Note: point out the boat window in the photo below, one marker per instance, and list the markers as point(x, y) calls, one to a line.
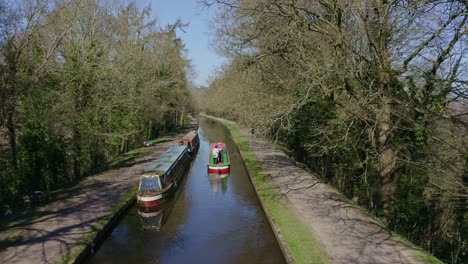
point(169, 176)
point(150, 184)
point(164, 181)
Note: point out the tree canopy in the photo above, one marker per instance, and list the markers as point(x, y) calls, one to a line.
point(370, 94)
point(81, 82)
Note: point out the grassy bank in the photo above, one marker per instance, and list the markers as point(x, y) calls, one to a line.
point(300, 242)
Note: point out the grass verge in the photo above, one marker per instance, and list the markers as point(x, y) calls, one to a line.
point(422, 254)
point(427, 258)
point(300, 242)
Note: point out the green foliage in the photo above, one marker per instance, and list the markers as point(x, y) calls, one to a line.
point(420, 136)
point(87, 83)
point(42, 159)
point(10, 189)
point(412, 211)
point(315, 112)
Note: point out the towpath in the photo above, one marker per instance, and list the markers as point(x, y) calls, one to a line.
point(347, 234)
point(46, 234)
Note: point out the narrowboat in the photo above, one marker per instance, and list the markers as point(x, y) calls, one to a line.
point(161, 178)
point(222, 164)
point(191, 140)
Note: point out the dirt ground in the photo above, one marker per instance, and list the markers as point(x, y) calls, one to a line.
point(347, 234)
point(47, 233)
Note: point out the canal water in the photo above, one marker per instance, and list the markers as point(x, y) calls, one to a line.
point(211, 219)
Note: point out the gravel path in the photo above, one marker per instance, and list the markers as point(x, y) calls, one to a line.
point(45, 235)
point(347, 234)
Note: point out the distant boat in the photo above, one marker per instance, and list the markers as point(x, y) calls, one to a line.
point(160, 179)
point(149, 143)
point(222, 165)
point(191, 140)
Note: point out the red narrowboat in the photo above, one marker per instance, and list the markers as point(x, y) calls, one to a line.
point(218, 159)
point(160, 179)
point(191, 140)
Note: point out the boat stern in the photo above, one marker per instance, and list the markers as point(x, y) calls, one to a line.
point(149, 200)
point(224, 169)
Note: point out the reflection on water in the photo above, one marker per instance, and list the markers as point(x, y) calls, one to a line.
point(218, 181)
point(212, 219)
point(151, 218)
point(154, 217)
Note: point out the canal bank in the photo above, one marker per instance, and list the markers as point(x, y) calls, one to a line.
point(314, 223)
point(67, 229)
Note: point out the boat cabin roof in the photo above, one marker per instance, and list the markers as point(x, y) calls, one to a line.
point(190, 135)
point(166, 160)
point(219, 144)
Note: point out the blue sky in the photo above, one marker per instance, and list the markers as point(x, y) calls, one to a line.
point(196, 37)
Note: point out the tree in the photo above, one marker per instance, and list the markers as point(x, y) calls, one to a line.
point(82, 82)
point(357, 90)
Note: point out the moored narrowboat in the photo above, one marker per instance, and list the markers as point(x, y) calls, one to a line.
point(161, 178)
point(219, 163)
point(191, 140)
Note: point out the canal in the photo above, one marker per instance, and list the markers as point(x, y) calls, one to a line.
point(209, 220)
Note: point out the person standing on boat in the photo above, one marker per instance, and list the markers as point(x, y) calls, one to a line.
point(215, 152)
point(220, 155)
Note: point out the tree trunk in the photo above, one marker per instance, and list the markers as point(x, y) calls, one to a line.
point(182, 121)
point(76, 154)
point(10, 109)
point(462, 221)
point(149, 131)
point(387, 158)
point(37, 175)
point(122, 146)
point(12, 137)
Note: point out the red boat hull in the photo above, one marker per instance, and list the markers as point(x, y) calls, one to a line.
point(218, 169)
point(145, 201)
